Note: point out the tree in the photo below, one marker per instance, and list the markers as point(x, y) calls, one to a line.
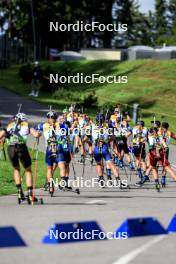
point(161, 21)
point(172, 22)
point(139, 26)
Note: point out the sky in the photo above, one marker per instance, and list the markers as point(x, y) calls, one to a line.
point(146, 5)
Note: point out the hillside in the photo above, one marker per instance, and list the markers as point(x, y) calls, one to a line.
point(151, 83)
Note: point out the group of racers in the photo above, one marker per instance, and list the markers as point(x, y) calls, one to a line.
point(108, 141)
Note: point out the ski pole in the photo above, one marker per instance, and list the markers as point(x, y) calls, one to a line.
point(19, 107)
point(74, 172)
point(154, 119)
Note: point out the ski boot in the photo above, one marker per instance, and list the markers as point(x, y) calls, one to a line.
point(109, 178)
point(21, 197)
point(157, 185)
point(91, 159)
point(82, 160)
point(116, 161)
point(118, 182)
point(142, 181)
point(139, 172)
point(163, 181)
point(46, 186)
point(76, 150)
point(121, 164)
point(51, 189)
point(131, 167)
point(67, 187)
point(33, 200)
point(101, 181)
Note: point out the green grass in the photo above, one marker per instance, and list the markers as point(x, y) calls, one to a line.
point(151, 83)
point(7, 185)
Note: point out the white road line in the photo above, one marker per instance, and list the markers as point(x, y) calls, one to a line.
point(134, 253)
point(96, 202)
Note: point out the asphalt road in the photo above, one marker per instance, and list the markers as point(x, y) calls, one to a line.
point(109, 207)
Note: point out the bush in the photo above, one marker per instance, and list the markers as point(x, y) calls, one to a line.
point(108, 106)
point(90, 100)
point(66, 95)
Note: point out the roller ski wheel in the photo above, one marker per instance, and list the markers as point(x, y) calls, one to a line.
point(157, 186)
point(70, 189)
point(124, 187)
point(33, 201)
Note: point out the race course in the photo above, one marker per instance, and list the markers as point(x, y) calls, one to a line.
point(108, 206)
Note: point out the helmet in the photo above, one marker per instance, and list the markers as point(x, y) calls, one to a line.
point(156, 123)
point(153, 130)
point(116, 109)
point(165, 125)
point(140, 123)
point(52, 115)
point(71, 108)
point(36, 63)
point(65, 111)
point(20, 116)
point(100, 118)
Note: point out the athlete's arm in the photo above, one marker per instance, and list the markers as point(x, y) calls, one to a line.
point(35, 133)
point(173, 135)
point(2, 134)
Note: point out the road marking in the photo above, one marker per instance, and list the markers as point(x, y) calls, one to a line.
point(96, 202)
point(134, 253)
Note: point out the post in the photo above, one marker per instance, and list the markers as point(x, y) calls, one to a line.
point(135, 113)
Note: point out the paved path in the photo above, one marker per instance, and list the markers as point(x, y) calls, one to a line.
point(113, 208)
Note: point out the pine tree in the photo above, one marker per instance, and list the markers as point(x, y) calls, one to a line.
point(139, 26)
point(161, 21)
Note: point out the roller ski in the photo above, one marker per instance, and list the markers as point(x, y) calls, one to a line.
point(33, 200)
point(120, 184)
point(51, 189)
point(21, 197)
point(63, 186)
point(131, 166)
point(142, 181)
point(157, 186)
point(77, 191)
point(101, 182)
